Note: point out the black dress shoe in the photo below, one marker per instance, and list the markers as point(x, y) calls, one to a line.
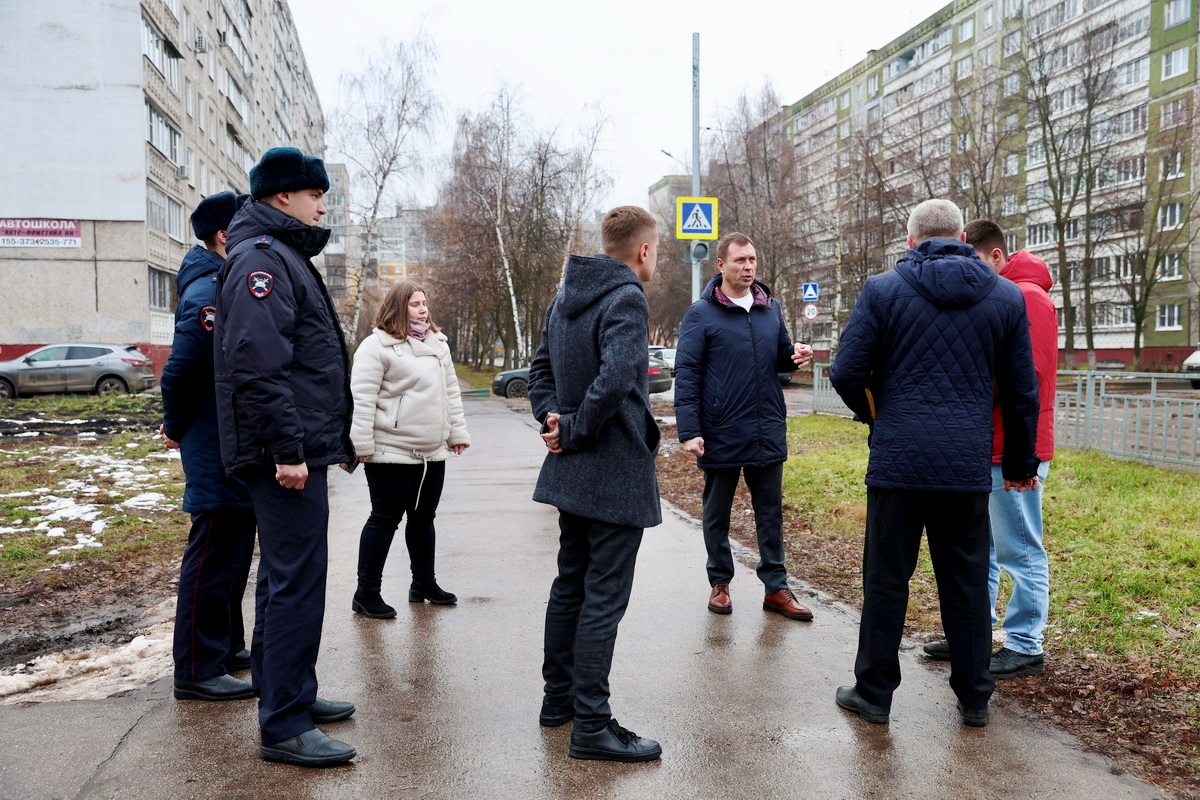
point(309, 749)
point(975, 717)
point(613, 743)
point(849, 699)
point(327, 711)
point(370, 604)
point(420, 592)
point(939, 649)
point(238, 661)
point(555, 714)
point(222, 687)
point(1007, 663)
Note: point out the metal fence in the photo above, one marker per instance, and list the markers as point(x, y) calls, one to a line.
point(1145, 415)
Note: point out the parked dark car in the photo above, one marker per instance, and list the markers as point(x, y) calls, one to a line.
point(515, 382)
point(100, 368)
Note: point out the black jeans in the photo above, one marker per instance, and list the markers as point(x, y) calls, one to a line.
point(397, 490)
point(587, 601)
point(956, 524)
point(766, 496)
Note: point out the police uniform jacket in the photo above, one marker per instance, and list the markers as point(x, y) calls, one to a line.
point(727, 369)
point(407, 405)
point(930, 347)
point(282, 368)
point(592, 368)
point(188, 396)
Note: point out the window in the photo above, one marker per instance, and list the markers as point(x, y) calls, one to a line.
point(1011, 241)
point(191, 167)
point(844, 130)
point(161, 293)
point(963, 68)
point(1176, 11)
point(1012, 44)
point(1172, 165)
point(1035, 153)
point(1038, 193)
point(1126, 267)
point(164, 213)
point(1012, 164)
point(1135, 120)
point(1101, 269)
point(1037, 234)
point(162, 134)
point(966, 30)
point(190, 104)
point(987, 56)
point(1170, 267)
point(1174, 112)
point(1130, 170)
point(1170, 216)
point(161, 54)
point(845, 100)
point(1135, 72)
point(1012, 8)
point(1012, 84)
point(1169, 318)
point(1070, 231)
point(989, 17)
point(873, 85)
point(1175, 62)
point(1008, 206)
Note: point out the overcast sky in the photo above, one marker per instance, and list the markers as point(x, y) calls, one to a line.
point(634, 58)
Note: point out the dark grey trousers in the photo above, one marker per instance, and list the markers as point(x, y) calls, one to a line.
point(956, 524)
point(766, 496)
point(587, 601)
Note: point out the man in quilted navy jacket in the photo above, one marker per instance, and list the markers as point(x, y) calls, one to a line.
point(731, 415)
point(930, 347)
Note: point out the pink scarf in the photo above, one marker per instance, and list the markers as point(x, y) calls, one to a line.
point(418, 329)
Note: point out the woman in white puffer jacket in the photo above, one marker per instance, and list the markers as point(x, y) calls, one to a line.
point(408, 418)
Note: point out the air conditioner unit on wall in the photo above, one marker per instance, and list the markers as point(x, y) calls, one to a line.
point(181, 171)
point(201, 46)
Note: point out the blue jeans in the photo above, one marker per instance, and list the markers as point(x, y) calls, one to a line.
point(1016, 519)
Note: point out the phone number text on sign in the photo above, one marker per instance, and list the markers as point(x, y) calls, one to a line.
point(38, 241)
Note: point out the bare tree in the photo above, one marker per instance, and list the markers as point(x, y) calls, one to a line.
point(386, 115)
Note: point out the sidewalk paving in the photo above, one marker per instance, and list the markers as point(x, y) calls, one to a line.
point(448, 697)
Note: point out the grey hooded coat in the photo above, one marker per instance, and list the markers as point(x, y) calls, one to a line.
point(591, 368)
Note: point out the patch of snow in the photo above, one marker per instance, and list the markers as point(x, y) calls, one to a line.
point(17, 494)
point(145, 500)
point(26, 434)
point(56, 532)
point(98, 526)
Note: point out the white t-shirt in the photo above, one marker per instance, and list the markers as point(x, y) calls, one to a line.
point(745, 302)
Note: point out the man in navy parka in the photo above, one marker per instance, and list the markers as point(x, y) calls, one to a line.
point(930, 347)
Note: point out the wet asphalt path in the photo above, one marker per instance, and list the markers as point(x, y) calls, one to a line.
point(448, 697)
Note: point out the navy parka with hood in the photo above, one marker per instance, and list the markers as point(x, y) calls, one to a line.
point(937, 341)
point(282, 367)
point(189, 403)
point(727, 369)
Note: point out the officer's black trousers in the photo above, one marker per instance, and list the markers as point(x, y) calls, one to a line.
point(956, 525)
point(293, 546)
point(587, 601)
point(398, 490)
point(212, 581)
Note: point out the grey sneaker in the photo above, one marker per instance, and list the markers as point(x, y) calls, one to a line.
point(939, 649)
point(1008, 663)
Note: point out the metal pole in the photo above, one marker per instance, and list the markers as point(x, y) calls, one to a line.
point(695, 148)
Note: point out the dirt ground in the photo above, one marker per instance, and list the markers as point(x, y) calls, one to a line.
point(1116, 712)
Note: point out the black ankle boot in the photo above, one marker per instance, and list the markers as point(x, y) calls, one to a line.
point(429, 590)
point(369, 603)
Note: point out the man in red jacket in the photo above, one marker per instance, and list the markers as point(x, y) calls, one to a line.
point(1016, 517)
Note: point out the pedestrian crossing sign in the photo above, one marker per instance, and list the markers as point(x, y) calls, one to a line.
point(696, 218)
point(810, 293)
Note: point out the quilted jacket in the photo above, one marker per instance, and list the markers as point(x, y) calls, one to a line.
point(930, 346)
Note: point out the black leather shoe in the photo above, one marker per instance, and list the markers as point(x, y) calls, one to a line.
point(1007, 663)
point(555, 714)
point(975, 717)
point(939, 649)
point(238, 661)
point(370, 604)
point(327, 711)
point(849, 699)
point(222, 687)
point(420, 592)
point(613, 743)
point(309, 749)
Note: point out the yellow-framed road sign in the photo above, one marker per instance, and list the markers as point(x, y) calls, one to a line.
point(696, 217)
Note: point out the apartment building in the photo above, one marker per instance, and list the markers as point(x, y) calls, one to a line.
point(1069, 122)
point(120, 117)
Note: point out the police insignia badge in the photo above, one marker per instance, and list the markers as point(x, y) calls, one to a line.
point(260, 283)
point(208, 318)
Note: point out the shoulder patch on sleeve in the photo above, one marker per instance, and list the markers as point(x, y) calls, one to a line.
point(264, 242)
point(260, 282)
point(208, 318)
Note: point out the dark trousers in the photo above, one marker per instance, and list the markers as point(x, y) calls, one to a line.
point(956, 525)
point(587, 601)
point(398, 490)
point(293, 546)
point(766, 496)
point(212, 581)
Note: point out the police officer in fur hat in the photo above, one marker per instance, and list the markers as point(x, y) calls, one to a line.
point(210, 638)
point(284, 405)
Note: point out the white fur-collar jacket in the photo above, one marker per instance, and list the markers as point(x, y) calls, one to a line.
point(407, 406)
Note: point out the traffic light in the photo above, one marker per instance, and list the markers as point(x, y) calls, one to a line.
point(699, 251)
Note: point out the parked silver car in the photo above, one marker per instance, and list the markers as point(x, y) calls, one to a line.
point(84, 367)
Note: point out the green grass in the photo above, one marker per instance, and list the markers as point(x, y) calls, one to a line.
point(477, 378)
point(1124, 554)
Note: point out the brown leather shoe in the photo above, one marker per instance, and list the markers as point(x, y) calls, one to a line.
point(718, 601)
point(784, 602)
